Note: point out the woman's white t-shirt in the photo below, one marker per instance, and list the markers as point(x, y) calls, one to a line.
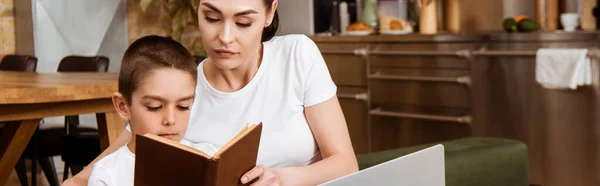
point(291, 76)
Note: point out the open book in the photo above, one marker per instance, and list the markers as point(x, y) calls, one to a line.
point(160, 161)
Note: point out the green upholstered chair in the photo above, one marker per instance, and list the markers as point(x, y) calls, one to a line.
point(471, 161)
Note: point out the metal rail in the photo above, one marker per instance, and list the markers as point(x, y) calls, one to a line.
point(360, 96)
point(460, 119)
point(466, 80)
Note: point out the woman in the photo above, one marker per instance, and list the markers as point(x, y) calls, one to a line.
point(250, 77)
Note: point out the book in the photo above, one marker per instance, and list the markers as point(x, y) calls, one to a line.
point(160, 161)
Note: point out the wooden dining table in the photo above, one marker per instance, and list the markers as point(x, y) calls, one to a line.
point(27, 97)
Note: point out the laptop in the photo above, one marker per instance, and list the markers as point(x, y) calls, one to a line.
point(421, 168)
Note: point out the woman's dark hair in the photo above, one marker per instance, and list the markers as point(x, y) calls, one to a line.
point(271, 30)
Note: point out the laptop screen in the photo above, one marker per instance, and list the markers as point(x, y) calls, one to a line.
point(421, 168)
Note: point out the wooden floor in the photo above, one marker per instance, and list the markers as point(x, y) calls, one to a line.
point(13, 180)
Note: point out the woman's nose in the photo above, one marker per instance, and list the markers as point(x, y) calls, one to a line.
point(226, 36)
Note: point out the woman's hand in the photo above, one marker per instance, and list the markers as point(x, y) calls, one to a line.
point(266, 176)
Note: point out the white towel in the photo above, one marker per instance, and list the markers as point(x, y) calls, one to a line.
point(563, 68)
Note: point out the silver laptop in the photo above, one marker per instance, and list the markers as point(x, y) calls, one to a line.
point(421, 168)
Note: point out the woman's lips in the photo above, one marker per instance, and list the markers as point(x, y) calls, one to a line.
point(225, 53)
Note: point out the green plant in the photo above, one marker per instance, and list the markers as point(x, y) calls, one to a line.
point(182, 13)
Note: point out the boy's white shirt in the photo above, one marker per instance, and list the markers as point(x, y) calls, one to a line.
point(117, 169)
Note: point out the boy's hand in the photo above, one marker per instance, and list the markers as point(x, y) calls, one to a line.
point(266, 176)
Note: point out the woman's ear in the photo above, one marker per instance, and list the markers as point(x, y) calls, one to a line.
point(272, 13)
point(121, 106)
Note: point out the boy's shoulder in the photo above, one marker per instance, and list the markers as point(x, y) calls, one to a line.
point(118, 159)
point(117, 167)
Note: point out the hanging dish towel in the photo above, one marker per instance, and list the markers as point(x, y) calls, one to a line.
point(563, 68)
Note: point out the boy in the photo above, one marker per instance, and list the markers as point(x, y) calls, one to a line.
point(157, 85)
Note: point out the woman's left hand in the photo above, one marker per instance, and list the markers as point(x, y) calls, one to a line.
point(266, 176)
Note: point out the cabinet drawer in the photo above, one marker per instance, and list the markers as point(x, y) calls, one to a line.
point(431, 59)
point(444, 88)
point(345, 69)
point(392, 132)
point(391, 128)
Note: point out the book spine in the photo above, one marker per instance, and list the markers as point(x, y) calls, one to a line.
point(211, 177)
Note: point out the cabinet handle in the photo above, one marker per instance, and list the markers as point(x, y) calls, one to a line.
point(456, 119)
point(466, 80)
point(335, 51)
point(358, 52)
point(360, 96)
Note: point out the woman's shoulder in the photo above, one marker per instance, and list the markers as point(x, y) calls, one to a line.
point(295, 54)
point(290, 38)
point(294, 44)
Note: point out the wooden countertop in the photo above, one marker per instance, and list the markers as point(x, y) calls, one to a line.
point(440, 38)
point(399, 38)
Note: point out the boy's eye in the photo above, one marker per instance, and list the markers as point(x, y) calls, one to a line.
point(154, 108)
point(183, 107)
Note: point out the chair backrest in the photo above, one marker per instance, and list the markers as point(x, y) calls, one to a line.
point(83, 64)
point(18, 63)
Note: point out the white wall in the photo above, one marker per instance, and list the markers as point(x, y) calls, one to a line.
point(295, 17)
point(76, 27)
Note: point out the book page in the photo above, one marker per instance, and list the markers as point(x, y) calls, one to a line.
point(177, 145)
point(236, 138)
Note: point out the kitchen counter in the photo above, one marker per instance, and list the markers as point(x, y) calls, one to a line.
point(400, 38)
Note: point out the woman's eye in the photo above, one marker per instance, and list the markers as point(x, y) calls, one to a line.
point(154, 108)
point(211, 19)
point(245, 25)
point(183, 107)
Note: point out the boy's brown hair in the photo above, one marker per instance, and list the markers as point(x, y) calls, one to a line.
point(150, 53)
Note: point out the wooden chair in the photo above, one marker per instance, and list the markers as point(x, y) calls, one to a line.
point(21, 63)
point(48, 142)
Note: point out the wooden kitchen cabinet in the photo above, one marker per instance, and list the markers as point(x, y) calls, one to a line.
point(400, 105)
point(432, 88)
